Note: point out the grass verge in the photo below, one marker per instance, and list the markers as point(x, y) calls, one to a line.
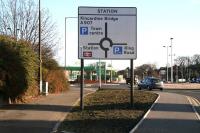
point(108, 111)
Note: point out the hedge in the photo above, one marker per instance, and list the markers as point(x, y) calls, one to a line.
point(19, 71)
point(18, 68)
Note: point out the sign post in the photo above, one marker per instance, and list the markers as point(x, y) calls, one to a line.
point(132, 82)
point(99, 74)
point(82, 84)
point(107, 33)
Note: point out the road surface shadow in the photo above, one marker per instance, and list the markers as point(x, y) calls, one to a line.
point(100, 125)
point(169, 126)
point(26, 126)
point(115, 106)
point(37, 107)
point(172, 107)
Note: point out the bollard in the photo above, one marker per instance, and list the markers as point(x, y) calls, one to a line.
point(40, 86)
point(46, 89)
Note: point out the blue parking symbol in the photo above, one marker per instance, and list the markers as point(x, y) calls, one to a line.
point(117, 50)
point(84, 30)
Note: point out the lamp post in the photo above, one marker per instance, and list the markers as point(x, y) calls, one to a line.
point(176, 70)
point(15, 32)
point(171, 62)
point(9, 30)
point(40, 50)
point(111, 73)
point(167, 61)
point(66, 35)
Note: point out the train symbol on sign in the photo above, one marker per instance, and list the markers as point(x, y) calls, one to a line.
point(84, 30)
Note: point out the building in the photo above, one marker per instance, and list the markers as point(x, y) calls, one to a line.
point(91, 72)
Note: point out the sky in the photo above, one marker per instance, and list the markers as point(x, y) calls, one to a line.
point(157, 22)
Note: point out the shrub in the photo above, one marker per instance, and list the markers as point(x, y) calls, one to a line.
point(57, 81)
point(55, 76)
point(19, 71)
point(18, 68)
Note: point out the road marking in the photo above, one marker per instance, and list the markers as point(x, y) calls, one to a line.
point(55, 128)
point(192, 102)
point(197, 101)
point(140, 122)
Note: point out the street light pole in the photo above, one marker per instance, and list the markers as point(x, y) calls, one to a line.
point(65, 37)
point(15, 33)
point(167, 62)
point(111, 73)
point(171, 62)
point(9, 30)
point(40, 51)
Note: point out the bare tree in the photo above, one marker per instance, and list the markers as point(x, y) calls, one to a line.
point(19, 19)
point(195, 65)
point(146, 70)
point(182, 62)
point(195, 59)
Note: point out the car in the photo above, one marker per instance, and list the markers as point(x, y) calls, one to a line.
point(150, 83)
point(195, 80)
point(198, 80)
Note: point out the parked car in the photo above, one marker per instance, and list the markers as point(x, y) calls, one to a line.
point(150, 83)
point(195, 80)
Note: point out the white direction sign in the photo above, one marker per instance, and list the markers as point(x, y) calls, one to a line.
point(107, 33)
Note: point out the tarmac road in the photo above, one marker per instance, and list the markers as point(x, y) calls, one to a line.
point(171, 114)
point(188, 92)
point(39, 116)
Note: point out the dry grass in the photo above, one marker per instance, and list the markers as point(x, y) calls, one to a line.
point(108, 111)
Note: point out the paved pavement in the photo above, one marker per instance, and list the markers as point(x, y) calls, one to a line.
point(39, 116)
point(171, 114)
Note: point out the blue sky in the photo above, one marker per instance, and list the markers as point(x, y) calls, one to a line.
point(158, 21)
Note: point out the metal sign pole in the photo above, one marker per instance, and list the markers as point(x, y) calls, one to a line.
point(81, 85)
point(99, 74)
point(105, 73)
point(132, 82)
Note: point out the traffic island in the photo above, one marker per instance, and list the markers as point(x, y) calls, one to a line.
point(108, 111)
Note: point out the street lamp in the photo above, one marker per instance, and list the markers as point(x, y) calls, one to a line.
point(111, 73)
point(9, 30)
point(66, 35)
point(176, 60)
point(171, 62)
point(167, 61)
point(15, 32)
point(65, 38)
point(40, 50)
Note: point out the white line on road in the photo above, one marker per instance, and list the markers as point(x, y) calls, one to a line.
point(55, 128)
point(197, 101)
point(140, 122)
point(192, 102)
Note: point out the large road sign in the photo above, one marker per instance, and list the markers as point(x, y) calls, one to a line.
point(107, 33)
